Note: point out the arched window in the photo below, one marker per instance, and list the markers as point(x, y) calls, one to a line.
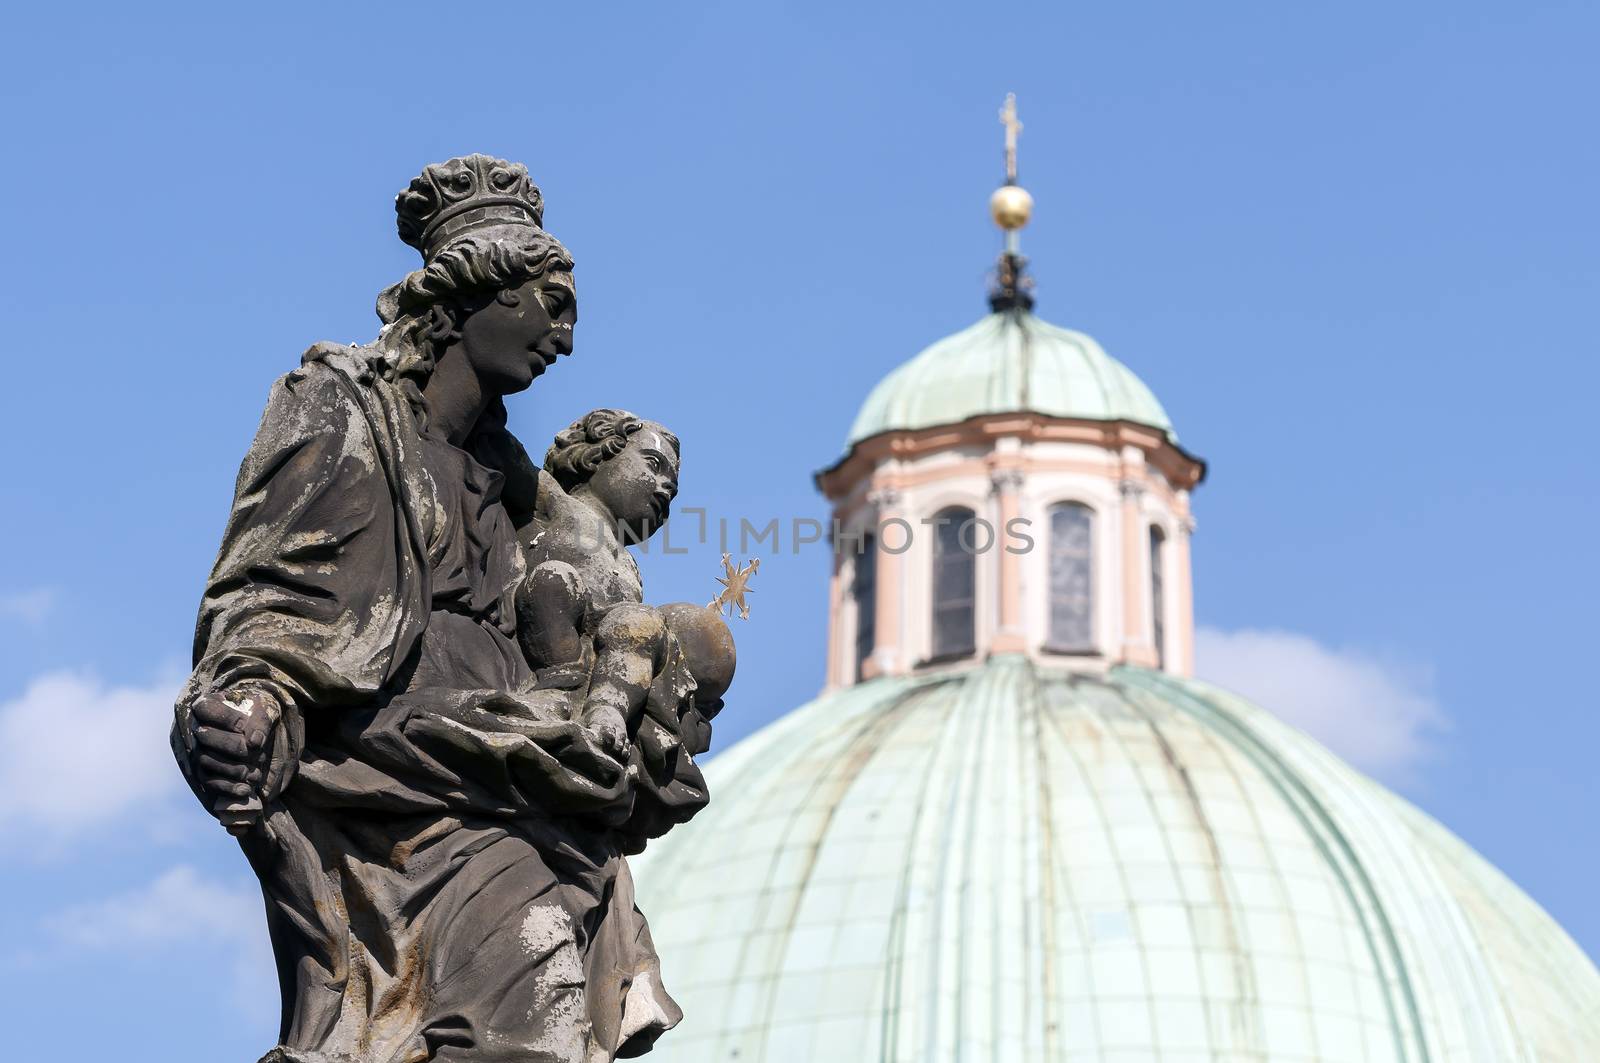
point(954, 583)
point(1071, 578)
point(865, 592)
point(1158, 605)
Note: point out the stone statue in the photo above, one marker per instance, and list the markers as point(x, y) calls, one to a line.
point(622, 474)
point(436, 724)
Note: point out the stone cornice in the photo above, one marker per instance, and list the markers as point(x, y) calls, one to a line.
point(1182, 469)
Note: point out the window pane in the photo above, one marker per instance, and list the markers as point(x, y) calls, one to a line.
point(954, 584)
point(1158, 607)
point(865, 592)
point(1072, 577)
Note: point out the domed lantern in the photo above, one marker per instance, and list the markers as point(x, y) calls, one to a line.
point(1021, 459)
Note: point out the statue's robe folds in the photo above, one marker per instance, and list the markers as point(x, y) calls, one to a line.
point(441, 851)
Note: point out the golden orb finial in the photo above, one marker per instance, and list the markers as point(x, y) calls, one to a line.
point(1011, 206)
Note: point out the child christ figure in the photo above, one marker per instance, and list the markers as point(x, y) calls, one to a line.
point(608, 481)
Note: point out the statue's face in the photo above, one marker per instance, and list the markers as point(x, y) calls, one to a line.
point(639, 483)
point(520, 333)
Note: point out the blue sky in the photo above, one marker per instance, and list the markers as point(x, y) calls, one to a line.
point(1352, 247)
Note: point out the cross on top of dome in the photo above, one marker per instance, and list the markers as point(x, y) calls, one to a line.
point(1011, 206)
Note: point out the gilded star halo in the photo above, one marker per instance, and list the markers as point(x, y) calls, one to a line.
point(735, 582)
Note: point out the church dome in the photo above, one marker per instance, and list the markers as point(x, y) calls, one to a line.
point(1010, 361)
point(1015, 862)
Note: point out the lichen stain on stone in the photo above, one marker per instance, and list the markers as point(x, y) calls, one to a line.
point(641, 1008)
point(544, 929)
point(403, 849)
point(566, 1034)
point(558, 1000)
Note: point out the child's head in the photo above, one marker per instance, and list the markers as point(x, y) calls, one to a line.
point(628, 464)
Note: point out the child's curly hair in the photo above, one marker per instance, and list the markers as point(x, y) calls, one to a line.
point(583, 446)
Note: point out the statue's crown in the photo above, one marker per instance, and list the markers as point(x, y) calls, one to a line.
point(450, 199)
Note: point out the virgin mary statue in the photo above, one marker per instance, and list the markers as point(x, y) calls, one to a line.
point(441, 848)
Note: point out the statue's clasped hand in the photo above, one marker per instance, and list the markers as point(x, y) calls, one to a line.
point(230, 749)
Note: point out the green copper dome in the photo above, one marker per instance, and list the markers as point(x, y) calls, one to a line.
point(1017, 863)
point(1008, 362)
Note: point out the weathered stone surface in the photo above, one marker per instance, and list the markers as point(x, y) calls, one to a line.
point(428, 698)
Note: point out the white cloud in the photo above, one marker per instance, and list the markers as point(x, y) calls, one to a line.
point(77, 754)
point(80, 758)
point(180, 905)
point(180, 909)
point(1379, 715)
point(31, 606)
